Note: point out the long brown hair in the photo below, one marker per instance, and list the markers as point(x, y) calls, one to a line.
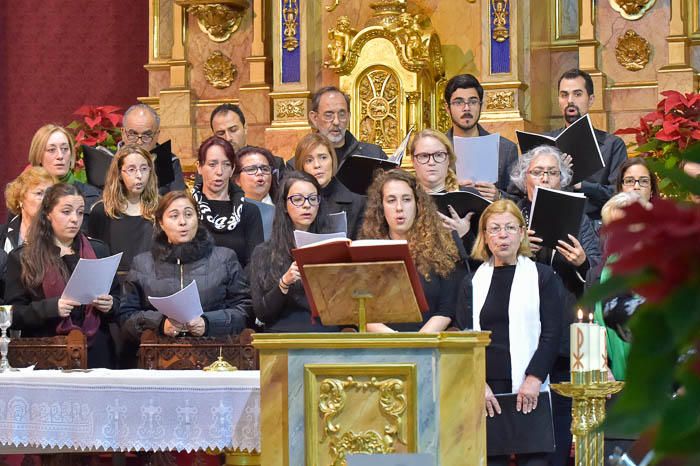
point(39, 252)
point(431, 245)
point(310, 142)
point(115, 195)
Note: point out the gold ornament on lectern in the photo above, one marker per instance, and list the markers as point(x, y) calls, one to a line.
point(217, 19)
point(499, 10)
point(632, 51)
point(632, 9)
point(219, 71)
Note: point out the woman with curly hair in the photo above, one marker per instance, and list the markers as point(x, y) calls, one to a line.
point(397, 208)
point(124, 217)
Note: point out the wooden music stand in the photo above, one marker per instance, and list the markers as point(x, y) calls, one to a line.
point(361, 292)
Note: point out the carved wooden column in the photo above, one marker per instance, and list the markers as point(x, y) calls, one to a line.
point(504, 90)
point(296, 45)
point(588, 61)
point(678, 74)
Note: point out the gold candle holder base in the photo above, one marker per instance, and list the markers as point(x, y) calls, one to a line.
point(588, 390)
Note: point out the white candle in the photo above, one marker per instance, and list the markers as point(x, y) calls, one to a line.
point(578, 345)
point(604, 348)
point(594, 356)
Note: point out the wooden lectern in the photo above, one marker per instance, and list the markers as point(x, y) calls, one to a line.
point(327, 395)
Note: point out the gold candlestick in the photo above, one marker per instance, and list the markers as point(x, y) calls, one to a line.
point(589, 391)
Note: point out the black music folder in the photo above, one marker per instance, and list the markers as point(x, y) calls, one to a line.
point(556, 214)
point(515, 432)
point(578, 140)
point(357, 171)
point(462, 202)
point(163, 163)
point(97, 161)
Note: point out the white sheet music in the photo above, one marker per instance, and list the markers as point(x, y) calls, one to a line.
point(477, 158)
point(304, 238)
point(91, 278)
point(183, 306)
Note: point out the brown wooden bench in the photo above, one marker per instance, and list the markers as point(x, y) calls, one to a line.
point(62, 351)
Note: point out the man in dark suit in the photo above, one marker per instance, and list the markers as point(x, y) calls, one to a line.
point(464, 98)
point(330, 116)
point(228, 121)
point(575, 99)
point(140, 126)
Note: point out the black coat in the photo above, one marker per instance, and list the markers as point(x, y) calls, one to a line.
point(37, 316)
point(162, 271)
point(550, 289)
point(337, 198)
point(91, 194)
point(9, 234)
point(279, 312)
point(600, 186)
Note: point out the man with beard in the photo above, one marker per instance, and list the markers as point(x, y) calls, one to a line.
point(575, 100)
point(329, 116)
point(463, 99)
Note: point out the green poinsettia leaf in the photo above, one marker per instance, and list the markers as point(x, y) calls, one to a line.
point(679, 430)
point(651, 145)
point(612, 286)
point(692, 153)
point(684, 325)
point(664, 183)
point(74, 124)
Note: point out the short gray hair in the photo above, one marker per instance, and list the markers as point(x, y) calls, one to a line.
point(145, 108)
point(520, 168)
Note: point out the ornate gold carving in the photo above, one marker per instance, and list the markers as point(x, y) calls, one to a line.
point(632, 51)
point(632, 9)
point(501, 100)
point(291, 22)
point(379, 102)
point(392, 404)
point(339, 45)
point(499, 13)
point(332, 6)
point(218, 20)
point(292, 109)
point(219, 71)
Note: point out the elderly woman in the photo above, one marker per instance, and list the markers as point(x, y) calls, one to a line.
point(37, 273)
point(23, 198)
point(544, 166)
point(52, 147)
point(232, 222)
point(124, 217)
point(278, 295)
point(184, 251)
point(399, 209)
point(635, 176)
point(316, 156)
point(517, 300)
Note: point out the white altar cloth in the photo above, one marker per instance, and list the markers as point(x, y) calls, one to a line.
point(130, 410)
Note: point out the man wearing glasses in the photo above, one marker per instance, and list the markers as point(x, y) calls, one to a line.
point(575, 100)
point(140, 126)
point(330, 115)
point(464, 96)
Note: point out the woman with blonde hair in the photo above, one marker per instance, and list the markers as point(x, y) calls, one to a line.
point(316, 156)
point(52, 147)
point(23, 198)
point(518, 301)
point(397, 208)
point(124, 217)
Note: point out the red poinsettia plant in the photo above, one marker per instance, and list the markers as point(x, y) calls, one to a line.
point(665, 133)
point(96, 125)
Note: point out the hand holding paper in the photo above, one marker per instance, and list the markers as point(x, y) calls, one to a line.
point(90, 279)
point(183, 306)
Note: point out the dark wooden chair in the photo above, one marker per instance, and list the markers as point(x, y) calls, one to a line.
point(163, 352)
point(63, 351)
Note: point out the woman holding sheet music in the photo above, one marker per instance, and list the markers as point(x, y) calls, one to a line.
point(38, 272)
point(573, 257)
point(124, 217)
point(184, 251)
point(518, 301)
point(397, 208)
point(316, 156)
point(278, 296)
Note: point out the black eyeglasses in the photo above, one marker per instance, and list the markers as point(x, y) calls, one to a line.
point(539, 172)
point(461, 103)
point(644, 181)
point(299, 199)
point(424, 157)
point(253, 169)
point(132, 136)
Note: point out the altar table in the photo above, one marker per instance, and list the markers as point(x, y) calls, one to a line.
point(129, 410)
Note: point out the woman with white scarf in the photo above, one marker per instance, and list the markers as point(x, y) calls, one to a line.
point(517, 300)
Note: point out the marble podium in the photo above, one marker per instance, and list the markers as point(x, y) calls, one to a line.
point(324, 396)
